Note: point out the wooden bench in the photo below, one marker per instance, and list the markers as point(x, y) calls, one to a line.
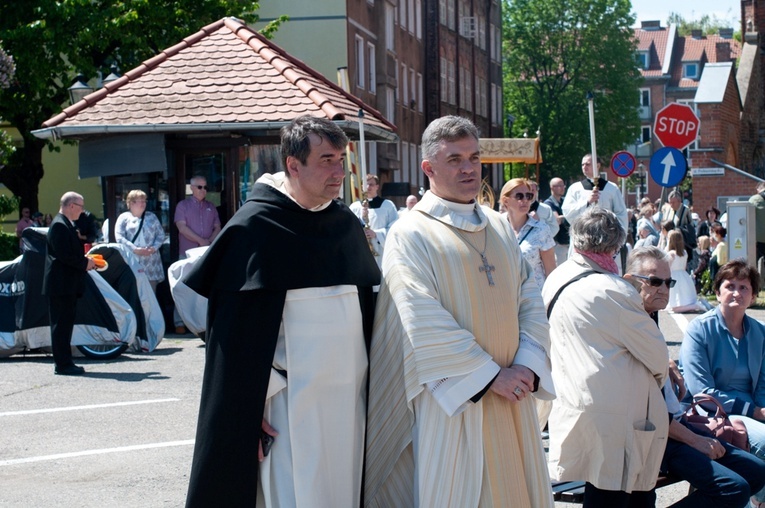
point(573, 492)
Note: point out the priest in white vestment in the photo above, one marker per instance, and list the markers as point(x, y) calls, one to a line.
point(460, 342)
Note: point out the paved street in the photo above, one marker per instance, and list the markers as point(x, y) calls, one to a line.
point(122, 436)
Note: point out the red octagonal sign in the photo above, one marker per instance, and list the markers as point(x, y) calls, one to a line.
point(676, 125)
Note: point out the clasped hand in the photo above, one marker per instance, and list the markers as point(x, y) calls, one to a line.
point(510, 378)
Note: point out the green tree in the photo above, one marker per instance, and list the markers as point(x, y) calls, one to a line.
point(52, 40)
point(706, 23)
point(554, 52)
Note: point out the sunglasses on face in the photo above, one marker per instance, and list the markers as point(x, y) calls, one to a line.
point(520, 196)
point(655, 281)
point(200, 187)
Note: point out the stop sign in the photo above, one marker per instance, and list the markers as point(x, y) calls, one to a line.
point(676, 125)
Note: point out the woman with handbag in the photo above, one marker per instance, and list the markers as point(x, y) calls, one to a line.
point(142, 232)
point(720, 474)
point(608, 425)
point(723, 354)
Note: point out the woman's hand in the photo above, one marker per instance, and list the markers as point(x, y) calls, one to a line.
point(709, 446)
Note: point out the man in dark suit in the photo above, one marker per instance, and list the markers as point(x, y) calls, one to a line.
point(64, 280)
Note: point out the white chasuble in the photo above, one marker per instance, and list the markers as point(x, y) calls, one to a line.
point(438, 317)
point(319, 409)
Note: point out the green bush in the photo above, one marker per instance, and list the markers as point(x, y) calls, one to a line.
point(9, 246)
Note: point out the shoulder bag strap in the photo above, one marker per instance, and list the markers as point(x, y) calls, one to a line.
point(564, 286)
point(140, 227)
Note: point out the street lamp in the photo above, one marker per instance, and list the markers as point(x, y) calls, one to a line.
point(113, 76)
point(79, 89)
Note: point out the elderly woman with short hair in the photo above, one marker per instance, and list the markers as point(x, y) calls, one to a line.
point(608, 425)
point(142, 233)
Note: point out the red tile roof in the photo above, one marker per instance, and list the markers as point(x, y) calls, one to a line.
point(224, 74)
point(655, 41)
point(703, 50)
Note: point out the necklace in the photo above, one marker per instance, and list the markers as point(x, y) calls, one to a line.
point(485, 266)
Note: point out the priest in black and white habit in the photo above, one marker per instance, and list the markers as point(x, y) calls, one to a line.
point(289, 282)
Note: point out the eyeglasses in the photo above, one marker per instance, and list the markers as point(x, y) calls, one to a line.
point(520, 196)
point(655, 281)
point(81, 205)
point(200, 187)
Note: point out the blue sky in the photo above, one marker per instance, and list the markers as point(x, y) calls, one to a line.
point(689, 9)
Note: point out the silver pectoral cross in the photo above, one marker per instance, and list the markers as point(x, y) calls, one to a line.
point(488, 269)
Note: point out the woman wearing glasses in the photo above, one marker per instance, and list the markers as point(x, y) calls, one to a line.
point(723, 352)
point(536, 242)
point(608, 425)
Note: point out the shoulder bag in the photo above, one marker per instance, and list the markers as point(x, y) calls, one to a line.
point(718, 424)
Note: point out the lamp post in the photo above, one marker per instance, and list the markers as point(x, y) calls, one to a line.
point(79, 89)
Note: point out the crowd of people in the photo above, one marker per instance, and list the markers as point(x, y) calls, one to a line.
point(396, 352)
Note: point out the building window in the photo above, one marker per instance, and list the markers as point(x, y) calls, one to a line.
point(360, 56)
point(404, 86)
point(372, 68)
point(442, 12)
point(482, 32)
point(691, 70)
point(492, 48)
point(412, 87)
point(405, 159)
point(411, 17)
point(452, 84)
point(390, 13)
point(402, 14)
point(643, 59)
point(645, 133)
point(478, 86)
point(645, 97)
point(418, 18)
point(461, 85)
point(451, 15)
point(398, 90)
point(419, 93)
point(484, 102)
point(390, 105)
point(468, 90)
point(444, 81)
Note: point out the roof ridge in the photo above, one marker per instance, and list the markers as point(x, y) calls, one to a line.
point(273, 53)
point(133, 74)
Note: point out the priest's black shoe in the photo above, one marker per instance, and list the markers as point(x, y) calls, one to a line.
point(70, 370)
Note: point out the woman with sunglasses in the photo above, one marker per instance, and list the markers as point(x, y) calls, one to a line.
point(534, 237)
point(723, 354)
point(682, 296)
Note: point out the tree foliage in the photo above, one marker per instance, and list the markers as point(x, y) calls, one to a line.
point(706, 23)
point(53, 40)
point(555, 51)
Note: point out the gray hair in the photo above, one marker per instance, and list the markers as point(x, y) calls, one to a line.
point(639, 256)
point(597, 230)
point(295, 140)
point(447, 128)
point(195, 180)
point(675, 195)
point(69, 198)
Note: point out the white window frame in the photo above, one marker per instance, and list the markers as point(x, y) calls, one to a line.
point(418, 19)
point(687, 66)
point(404, 85)
point(482, 32)
point(372, 68)
point(442, 12)
point(398, 88)
point(390, 104)
point(420, 93)
point(444, 81)
point(492, 48)
point(469, 90)
point(412, 86)
point(451, 15)
point(411, 16)
point(643, 59)
point(402, 14)
point(404, 159)
point(452, 83)
point(390, 15)
point(360, 57)
point(645, 97)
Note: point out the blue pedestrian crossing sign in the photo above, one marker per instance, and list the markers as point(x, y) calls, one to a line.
point(668, 166)
point(623, 164)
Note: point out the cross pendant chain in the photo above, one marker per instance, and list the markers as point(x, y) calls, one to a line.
point(488, 269)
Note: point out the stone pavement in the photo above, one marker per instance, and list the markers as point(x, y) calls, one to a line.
point(673, 326)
